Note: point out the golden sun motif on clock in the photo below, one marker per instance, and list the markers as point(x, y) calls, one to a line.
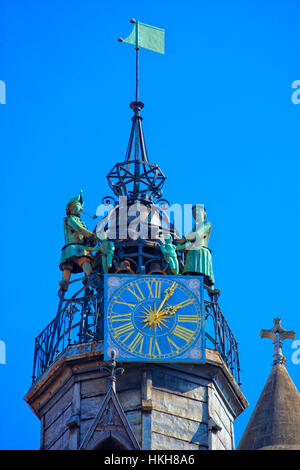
point(154, 318)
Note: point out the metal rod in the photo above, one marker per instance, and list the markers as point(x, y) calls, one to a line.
point(136, 155)
point(137, 75)
point(137, 62)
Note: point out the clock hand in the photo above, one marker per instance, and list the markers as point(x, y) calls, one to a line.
point(168, 293)
point(168, 310)
point(153, 317)
point(156, 311)
point(182, 304)
point(172, 309)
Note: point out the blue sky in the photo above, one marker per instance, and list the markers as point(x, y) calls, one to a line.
point(218, 119)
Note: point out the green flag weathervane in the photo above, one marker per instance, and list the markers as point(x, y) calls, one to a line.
point(147, 37)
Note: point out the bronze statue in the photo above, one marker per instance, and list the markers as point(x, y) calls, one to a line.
point(107, 249)
point(170, 256)
point(75, 257)
point(198, 258)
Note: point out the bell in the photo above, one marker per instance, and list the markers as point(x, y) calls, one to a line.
point(124, 268)
point(156, 268)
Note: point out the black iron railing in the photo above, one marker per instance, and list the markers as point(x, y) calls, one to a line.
point(219, 336)
point(80, 320)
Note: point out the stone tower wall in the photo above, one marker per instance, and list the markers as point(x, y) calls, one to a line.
point(168, 406)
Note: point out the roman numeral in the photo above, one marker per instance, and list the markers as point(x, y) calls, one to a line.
point(157, 289)
point(188, 318)
point(154, 289)
point(122, 302)
point(173, 346)
point(153, 346)
point(121, 330)
point(137, 341)
point(150, 285)
point(183, 333)
point(120, 317)
point(140, 296)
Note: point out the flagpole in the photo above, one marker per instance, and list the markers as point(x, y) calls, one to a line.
point(136, 110)
point(152, 39)
point(137, 59)
point(137, 75)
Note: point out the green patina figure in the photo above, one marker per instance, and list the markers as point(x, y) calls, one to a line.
point(75, 257)
point(198, 258)
point(107, 249)
point(170, 256)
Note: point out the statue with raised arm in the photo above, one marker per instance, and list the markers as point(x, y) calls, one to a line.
point(75, 257)
point(170, 256)
point(198, 259)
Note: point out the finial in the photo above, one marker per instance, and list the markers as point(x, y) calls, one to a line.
point(113, 371)
point(277, 334)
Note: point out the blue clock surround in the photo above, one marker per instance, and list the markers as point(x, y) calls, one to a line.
point(154, 318)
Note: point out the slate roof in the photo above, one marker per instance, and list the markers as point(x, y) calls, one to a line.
point(275, 421)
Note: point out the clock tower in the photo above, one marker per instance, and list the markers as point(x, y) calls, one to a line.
point(139, 354)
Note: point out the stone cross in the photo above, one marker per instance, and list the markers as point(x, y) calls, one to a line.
point(278, 334)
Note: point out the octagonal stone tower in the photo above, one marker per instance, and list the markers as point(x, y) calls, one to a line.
point(152, 406)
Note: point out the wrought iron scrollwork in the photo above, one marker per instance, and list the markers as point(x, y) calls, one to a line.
point(219, 336)
point(163, 204)
point(109, 201)
point(79, 320)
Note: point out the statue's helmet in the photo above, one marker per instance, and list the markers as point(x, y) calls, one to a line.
point(168, 238)
point(76, 201)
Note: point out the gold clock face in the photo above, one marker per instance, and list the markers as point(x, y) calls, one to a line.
point(155, 318)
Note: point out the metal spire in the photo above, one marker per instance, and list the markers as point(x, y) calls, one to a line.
point(136, 177)
point(277, 334)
